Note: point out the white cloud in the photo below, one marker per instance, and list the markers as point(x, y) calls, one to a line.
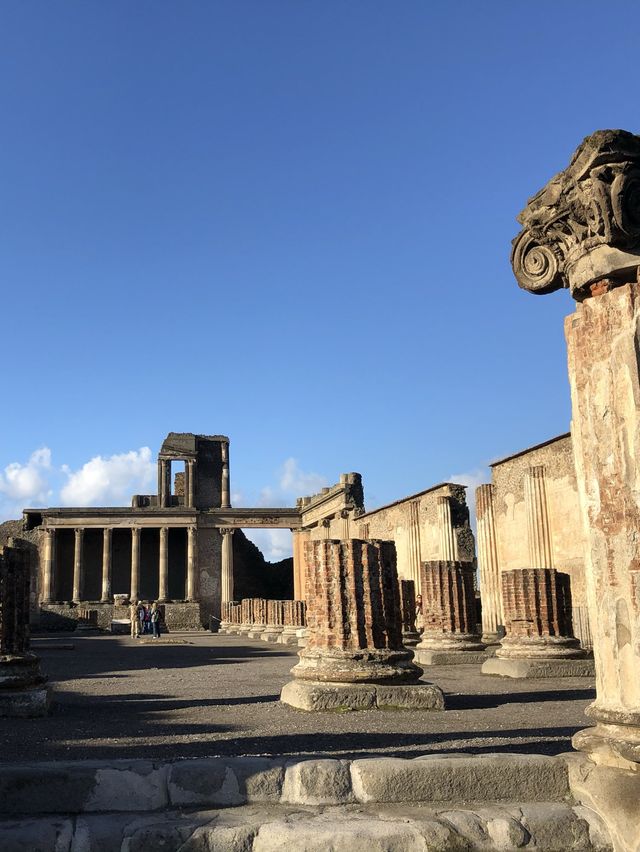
point(472, 479)
point(274, 544)
point(109, 481)
point(23, 485)
point(292, 483)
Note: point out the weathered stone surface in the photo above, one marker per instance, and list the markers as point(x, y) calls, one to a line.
point(539, 668)
point(25, 702)
point(209, 781)
point(37, 835)
point(426, 657)
point(326, 696)
point(584, 225)
point(491, 777)
point(417, 696)
point(318, 782)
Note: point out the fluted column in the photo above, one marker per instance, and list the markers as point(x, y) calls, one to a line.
point(190, 489)
point(325, 527)
point(226, 581)
point(135, 564)
point(298, 564)
point(78, 568)
point(226, 493)
point(49, 565)
point(344, 524)
point(414, 544)
point(192, 575)
point(538, 530)
point(107, 540)
point(448, 547)
point(163, 566)
point(492, 618)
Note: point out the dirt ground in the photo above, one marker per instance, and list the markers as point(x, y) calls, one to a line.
point(204, 694)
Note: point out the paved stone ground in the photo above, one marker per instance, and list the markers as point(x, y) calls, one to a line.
point(203, 694)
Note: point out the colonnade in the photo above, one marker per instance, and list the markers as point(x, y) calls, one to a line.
point(79, 565)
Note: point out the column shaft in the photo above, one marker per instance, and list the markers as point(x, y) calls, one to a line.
point(163, 567)
point(48, 568)
point(78, 572)
point(107, 538)
point(226, 580)
point(538, 529)
point(448, 547)
point(226, 494)
point(414, 544)
point(192, 576)
point(135, 565)
point(488, 567)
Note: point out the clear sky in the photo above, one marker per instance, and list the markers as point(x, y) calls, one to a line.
point(288, 222)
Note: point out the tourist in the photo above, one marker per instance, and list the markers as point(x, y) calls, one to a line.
point(134, 616)
point(141, 612)
point(419, 615)
point(155, 620)
point(147, 620)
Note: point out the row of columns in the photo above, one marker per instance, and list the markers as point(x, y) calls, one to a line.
point(107, 552)
point(164, 483)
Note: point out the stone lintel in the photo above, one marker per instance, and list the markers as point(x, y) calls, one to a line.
point(539, 668)
point(310, 696)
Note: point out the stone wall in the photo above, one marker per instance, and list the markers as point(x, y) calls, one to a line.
point(565, 543)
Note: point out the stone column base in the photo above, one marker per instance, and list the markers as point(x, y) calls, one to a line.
point(410, 639)
point(369, 665)
point(256, 631)
point(271, 633)
point(244, 629)
point(540, 647)
point(492, 638)
point(539, 667)
point(289, 636)
point(426, 657)
point(21, 703)
point(301, 633)
point(315, 696)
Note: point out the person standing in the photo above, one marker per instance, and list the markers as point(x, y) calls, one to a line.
point(134, 617)
point(155, 620)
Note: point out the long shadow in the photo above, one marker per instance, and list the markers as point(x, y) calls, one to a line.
point(473, 701)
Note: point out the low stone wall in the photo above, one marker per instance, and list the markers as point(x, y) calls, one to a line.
point(178, 615)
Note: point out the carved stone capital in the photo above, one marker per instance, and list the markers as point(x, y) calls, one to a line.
point(584, 225)
point(226, 530)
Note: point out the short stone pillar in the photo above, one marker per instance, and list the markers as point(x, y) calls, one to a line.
point(275, 621)
point(354, 658)
point(23, 689)
point(294, 620)
point(539, 641)
point(259, 618)
point(410, 636)
point(246, 617)
point(450, 634)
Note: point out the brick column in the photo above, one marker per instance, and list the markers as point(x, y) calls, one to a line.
point(78, 567)
point(294, 620)
point(410, 636)
point(275, 621)
point(488, 568)
point(22, 686)
point(354, 657)
point(163, 565)
point(48, 566)
point(259, 618)
point(539, 641)
point(246, 621)
point(450, 634)
point(134, 594)
point(106, 564)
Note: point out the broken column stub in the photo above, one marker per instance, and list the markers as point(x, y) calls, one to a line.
point(451, 634)
point(23, 689)
point(582, 230)
point(539, 641)
point(410, 635)
point(354, 658)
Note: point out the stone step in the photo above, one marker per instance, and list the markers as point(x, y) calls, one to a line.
point(543, 826)
point(78, 787)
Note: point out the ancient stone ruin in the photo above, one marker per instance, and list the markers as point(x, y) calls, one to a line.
point(354, 657)
point(23, 689)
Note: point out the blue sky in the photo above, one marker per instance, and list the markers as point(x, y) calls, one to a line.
point(288, 222)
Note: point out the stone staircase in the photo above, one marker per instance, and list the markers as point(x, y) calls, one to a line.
point(256, 804)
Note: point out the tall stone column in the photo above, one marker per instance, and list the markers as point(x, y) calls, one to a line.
point(354, 658)
point(134, 595)
point(489, 570)
point(107, 541)
point(450, 633)
point(415, 555)
point(192, 564)
point(448, 545)
point(164, 482)
point(49, 565)
point(190, 490)
point(298, 564)
point(538, 529)
point(163, 566)
point(226, 487)
point(78, 567)
point(226, 579)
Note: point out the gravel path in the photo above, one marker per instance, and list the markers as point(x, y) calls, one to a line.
point(203, 694)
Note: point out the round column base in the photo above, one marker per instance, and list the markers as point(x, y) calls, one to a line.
point(373, 665)
point(432, 641)
point(541, 647)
